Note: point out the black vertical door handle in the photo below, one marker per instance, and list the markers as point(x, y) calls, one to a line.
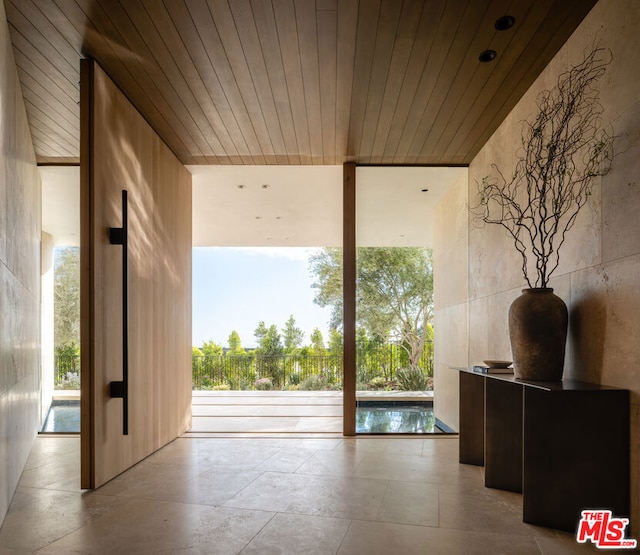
point(120, 389)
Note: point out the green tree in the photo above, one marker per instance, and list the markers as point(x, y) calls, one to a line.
point(260, 332)
point(317, 343)
point(269, 340)
point(211, 349)
point(336, 345)
point(66, 275)
point(326, 266)
point(269, 352)
point(336, 350)
point(394, 294)
point(235, 345)
point(208, 369)
point(429, 350)
point(292, 336)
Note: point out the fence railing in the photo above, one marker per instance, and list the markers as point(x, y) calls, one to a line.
point(67, 372)
point(244, 372)
point(256, 371)
point(306, 372)
point(387, 359)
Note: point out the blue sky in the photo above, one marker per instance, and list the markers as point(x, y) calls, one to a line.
point(236, 288)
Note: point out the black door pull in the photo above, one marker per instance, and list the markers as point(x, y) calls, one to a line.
point(120, 389)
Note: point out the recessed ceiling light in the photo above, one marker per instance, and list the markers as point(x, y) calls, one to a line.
point(424, 190)
point(505, 22)
point(241, 186)
point(278, 217)
point(487, 56)
point(258, 217)
point(265, 186)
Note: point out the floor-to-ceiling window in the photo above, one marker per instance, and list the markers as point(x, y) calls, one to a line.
point(266, 340)
point(394, 297)
point(60, 300)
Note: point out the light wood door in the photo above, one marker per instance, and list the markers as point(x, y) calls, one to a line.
point(119, 152)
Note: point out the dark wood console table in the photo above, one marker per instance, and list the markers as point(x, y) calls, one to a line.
point(563, 445)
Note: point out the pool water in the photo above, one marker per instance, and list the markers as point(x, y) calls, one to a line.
point(396, 419)
point(371, 418)
point(63, 417)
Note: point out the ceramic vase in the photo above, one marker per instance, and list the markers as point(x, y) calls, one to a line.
point(538, 321)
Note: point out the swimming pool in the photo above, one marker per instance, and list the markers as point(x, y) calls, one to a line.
point(372, 417)
point(63, 417)
point(396, 418)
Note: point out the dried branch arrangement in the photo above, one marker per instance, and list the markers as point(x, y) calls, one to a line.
point(563, 150)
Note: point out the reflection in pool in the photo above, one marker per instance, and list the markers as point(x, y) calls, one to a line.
point(396, 419)
point(63, 417)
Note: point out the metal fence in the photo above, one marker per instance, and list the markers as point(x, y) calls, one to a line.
point(307, 372)
point(244, 372)
point(384, 362)
point(67, 372)
point(255, 371)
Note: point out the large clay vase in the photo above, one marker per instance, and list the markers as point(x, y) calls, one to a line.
point(538, 322)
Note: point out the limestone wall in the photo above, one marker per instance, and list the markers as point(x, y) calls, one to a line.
point(19, 278)
point(598, 276)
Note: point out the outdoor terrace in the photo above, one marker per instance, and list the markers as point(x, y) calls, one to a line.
point(286, 412)
point(273, 413)
point(287, 394)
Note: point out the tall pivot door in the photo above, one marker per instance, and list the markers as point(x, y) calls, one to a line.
point(135, 284)
point(388, 295)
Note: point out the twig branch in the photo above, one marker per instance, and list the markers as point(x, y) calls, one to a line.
point(563, 150)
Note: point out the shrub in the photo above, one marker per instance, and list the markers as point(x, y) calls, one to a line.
point(412, 379)
point(377, 383)
point(222, 387)
point(334, 378)
point(244, 384)
point(314, 383)
point(71, 380)
point(206, 384)
point(263, 384)
point(362, 375)
point(243, 379)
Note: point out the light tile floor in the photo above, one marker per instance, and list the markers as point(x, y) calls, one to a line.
point(273, 496)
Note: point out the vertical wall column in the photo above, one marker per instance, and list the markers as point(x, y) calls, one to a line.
point(46, 324)
point(349, 293)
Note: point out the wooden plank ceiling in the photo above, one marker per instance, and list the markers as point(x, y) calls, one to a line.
point(290, 81)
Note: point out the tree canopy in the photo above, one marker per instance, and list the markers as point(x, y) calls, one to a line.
point(269, 340)
point(211, 348)
point(66, 297)
point(394, 293)
point(292, 336)
point(235, 345)
point(317, 342)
